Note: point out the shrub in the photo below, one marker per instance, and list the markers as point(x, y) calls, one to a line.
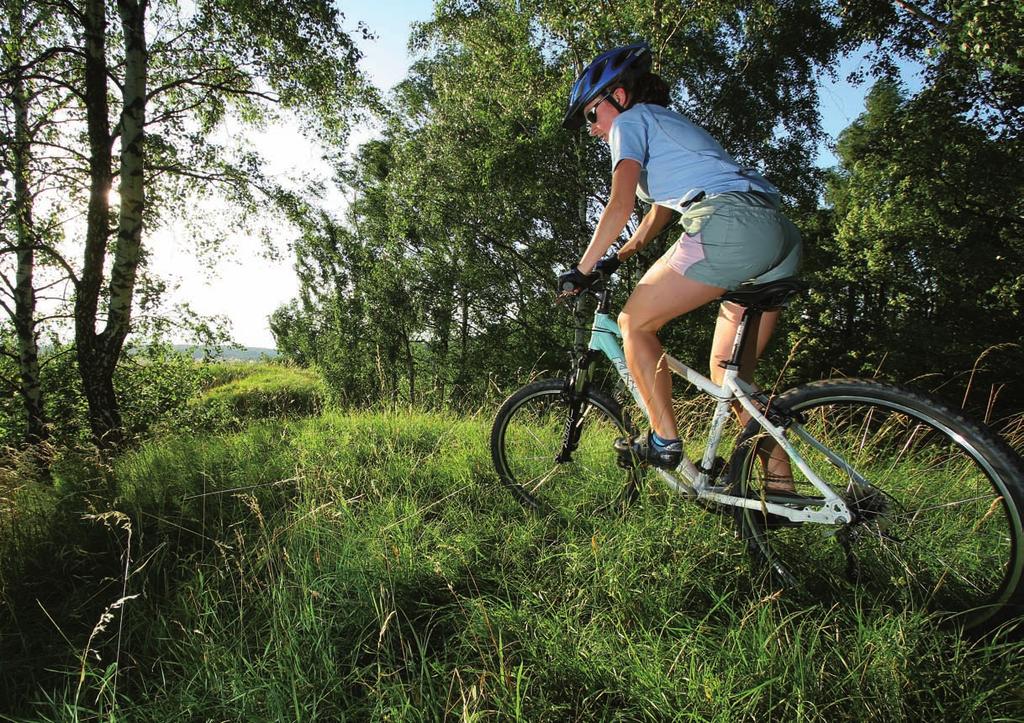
point(267, 391)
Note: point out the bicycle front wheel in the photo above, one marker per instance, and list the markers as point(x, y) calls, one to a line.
point(936, 500)
point(543, 470)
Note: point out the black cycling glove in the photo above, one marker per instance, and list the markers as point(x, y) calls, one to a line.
point(574, 280)
point(608, 265)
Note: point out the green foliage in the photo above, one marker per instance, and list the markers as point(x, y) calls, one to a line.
point(12, 412)
point(167, 391)
point(988, 34)
point(26, 514)
point(440, 280)
point(190, 477)
point(926, 252)
point(160, 82)
point(216, 373)
point(63, 562)
point(368, 566)
point(155, 382)
point(970, 51)
point(65, 407)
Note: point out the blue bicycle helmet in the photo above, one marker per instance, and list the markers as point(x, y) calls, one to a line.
point(606, 69)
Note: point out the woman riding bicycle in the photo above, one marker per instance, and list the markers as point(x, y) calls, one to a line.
point(733, 233)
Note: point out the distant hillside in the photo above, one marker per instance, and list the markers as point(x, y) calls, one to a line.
point(249, 353)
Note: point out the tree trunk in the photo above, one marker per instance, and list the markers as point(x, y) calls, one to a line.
point(393, 371)
point(104, 411)
point(132, 188)
point(410, 364)
point(442, 317)
point(460, 379)
point(91, 362)
point(24, 291)
point(98, 353)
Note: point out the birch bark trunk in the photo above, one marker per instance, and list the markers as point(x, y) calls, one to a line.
point(24, 290)
point(98, 352)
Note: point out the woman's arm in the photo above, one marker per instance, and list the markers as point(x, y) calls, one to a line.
point(654, 221)
point(616, 213)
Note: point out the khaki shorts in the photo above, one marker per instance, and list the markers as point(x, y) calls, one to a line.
point(736, 238)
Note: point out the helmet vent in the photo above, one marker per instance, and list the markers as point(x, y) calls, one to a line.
point(606, 69)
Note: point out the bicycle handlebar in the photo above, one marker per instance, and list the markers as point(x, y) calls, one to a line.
point(567, 287)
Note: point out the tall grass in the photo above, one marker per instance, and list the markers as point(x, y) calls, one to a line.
point(247, 391)
point(368, 566)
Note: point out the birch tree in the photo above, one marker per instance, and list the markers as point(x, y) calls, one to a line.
point(150, 82)
point(32, 104)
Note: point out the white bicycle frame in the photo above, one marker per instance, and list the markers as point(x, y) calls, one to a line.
point(605, 338)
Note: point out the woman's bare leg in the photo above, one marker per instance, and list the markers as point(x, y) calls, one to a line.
point(774, 460)
point(662, 295)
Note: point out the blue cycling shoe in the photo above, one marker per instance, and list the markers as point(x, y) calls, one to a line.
point(646, 450)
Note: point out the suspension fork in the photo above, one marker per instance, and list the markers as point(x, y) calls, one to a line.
point(576, 386)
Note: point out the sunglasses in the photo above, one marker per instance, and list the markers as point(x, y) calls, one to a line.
point(591, 115)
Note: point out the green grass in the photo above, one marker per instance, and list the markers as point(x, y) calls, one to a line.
point(230, 394)
point(223, 372)
point(368, 566)
point(264, 390)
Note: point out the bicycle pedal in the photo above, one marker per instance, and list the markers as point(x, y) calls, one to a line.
point(627, 460)
point(719, 468)
point(624, 455)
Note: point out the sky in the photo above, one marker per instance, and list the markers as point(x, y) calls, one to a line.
point(246, 287)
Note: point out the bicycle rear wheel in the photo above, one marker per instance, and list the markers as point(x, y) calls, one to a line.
point(529, 436)
point(937, 506)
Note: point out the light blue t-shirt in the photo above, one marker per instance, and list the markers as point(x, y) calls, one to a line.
point(678, 158)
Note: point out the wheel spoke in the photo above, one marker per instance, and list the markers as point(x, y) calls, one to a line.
point(534, 484)
point(529, 435)
point(943, 535)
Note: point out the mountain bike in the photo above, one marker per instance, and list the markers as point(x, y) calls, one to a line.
point(896, 492)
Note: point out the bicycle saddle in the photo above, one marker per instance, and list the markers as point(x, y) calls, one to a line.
point(764, 297)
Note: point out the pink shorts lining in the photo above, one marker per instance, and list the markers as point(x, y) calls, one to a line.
point(685, 253)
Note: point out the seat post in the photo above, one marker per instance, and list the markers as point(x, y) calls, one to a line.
point(756, 299)
point(739, 344)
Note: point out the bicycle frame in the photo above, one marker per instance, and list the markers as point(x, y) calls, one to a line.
point(606, 337)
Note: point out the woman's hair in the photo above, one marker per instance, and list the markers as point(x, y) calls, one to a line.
point(647, 87)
